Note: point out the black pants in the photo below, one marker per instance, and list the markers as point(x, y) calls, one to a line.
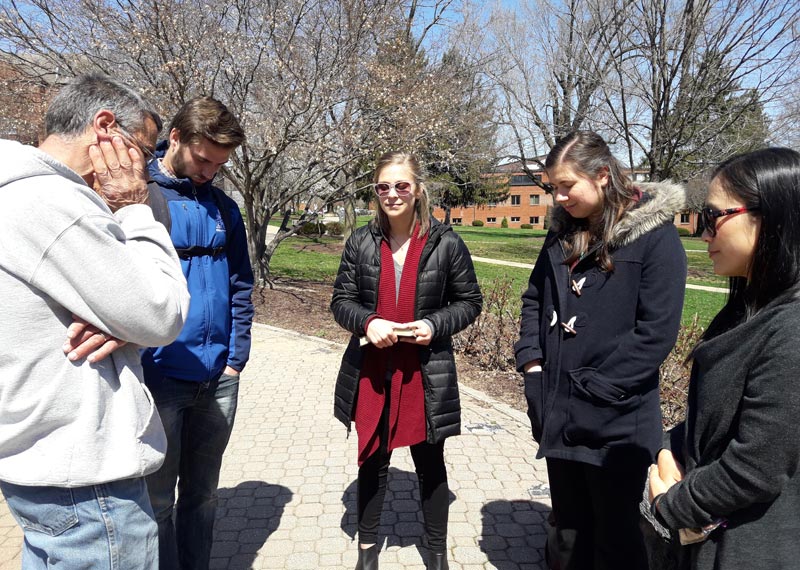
point(434, 492)
point(596, 516)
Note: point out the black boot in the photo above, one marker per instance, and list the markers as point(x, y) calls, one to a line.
point(368, 558)
point(437, 561)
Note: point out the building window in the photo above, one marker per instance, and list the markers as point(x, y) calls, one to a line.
point(534, 200)
point(491, 220)
point(515, 200)
point(455, 221)
point(515, 219)
point(534, 220)
point(685, 218)
point(491, 203)
point(524, 179)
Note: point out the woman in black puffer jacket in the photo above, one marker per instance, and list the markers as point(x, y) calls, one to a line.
point(405, 285)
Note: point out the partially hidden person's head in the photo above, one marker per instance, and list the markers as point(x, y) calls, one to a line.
point(400, 192)
point(93, 108)
point(751, 223)
point(202, 136)
point(587, 180)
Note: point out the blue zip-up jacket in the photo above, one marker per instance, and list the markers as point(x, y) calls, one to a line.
point(217, 329)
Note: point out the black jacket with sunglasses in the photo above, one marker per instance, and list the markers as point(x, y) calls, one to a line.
point(447, 295)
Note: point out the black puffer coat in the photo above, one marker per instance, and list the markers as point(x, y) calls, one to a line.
point(447, 295)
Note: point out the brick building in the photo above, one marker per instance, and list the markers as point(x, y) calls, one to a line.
point(528, 203)
point(23, 102)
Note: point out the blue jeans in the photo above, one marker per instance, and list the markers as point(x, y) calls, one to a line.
point(106, 526)
point(198, 419)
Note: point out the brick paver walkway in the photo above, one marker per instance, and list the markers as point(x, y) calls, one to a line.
point(287, 493)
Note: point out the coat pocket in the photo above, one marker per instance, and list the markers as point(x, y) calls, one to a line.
point(598, 413)
point(534, 394)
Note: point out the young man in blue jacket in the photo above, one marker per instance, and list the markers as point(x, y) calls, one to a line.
point(195, 380)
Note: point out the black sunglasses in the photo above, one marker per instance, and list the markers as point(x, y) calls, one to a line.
point(708, 217)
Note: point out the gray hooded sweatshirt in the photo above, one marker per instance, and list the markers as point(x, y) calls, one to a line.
point(63, 252)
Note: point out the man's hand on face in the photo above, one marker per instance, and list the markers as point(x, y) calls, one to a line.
point(87, 341)
point(119, 172)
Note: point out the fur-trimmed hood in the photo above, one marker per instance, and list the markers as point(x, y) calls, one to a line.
point(659, 204)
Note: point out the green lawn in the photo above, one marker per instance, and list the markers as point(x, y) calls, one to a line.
point(296, 260)
point(497, 243)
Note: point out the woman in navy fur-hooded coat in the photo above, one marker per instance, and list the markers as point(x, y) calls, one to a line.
point(601, 313)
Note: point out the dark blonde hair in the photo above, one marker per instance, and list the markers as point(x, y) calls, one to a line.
point(588, 155)
point(422, 203)
point(205, 117)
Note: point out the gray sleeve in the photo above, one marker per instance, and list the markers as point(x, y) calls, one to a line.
point(764, 452)
point(119, 272)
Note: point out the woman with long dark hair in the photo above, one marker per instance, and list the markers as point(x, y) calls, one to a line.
point(601, 313)
point(738, 503)
point(405, 285)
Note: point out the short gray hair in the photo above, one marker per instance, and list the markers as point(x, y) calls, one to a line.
point(72, 110)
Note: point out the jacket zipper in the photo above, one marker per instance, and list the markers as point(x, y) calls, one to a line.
point(206, 302)
point(424, 256)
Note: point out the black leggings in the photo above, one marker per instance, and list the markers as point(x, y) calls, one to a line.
point(433, 490)
point(596, 511)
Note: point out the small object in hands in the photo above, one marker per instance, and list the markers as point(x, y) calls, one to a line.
point(404, 331)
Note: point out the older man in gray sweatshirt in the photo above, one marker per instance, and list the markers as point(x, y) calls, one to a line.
point(77, 239)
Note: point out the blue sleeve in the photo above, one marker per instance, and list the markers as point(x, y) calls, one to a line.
point(241, 288)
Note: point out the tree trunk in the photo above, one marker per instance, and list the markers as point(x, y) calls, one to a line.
point(349, 215)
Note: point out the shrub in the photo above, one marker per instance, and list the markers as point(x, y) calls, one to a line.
point(504, 222)
point(334, 228)
point(477, 223)
point(311, 229)
point(674, 374)
point(684, 232)
point(526, 226)
point(489, 341)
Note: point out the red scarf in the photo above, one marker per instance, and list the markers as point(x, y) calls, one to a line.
point(407, 397)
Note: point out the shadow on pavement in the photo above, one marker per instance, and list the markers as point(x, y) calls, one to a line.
point(401, 521)
point(513, 533)
point(246, 516)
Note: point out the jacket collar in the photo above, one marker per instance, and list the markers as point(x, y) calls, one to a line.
point(660, 201)
point(183, 185)
point(437, 228)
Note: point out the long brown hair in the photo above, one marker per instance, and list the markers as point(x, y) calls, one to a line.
point(588, 155)
point(422, 203)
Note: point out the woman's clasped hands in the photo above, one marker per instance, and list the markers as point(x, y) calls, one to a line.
point(664, 474)
point(383, 333)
